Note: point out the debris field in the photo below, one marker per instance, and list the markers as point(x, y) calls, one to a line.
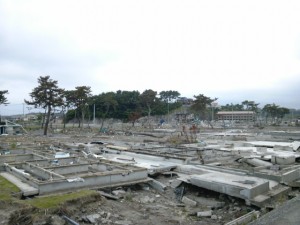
point(166, 175)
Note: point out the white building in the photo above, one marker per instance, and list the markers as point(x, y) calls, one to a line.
point(236, 115)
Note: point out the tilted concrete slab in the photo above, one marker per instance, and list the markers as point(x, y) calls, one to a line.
point(233, 183)
point(228, 181)
point(154, 164)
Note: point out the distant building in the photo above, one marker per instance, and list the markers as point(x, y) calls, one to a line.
point(7, 127)
point(184, 117)
point(185, 100)
point(237, 115)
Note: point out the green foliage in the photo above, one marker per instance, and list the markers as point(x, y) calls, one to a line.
point(3, 99)
point(244, 106)
point(275, 112)
point(70, 115)
point(78, 99)
point(200, 105)
point(169, 96)
point(147, 99)
point(232, 107)
point(46, 95)
point(250, 106)
point(13, 145)
point(128, 105)
point(54, 201)
point(105, 103)
point(124, 105)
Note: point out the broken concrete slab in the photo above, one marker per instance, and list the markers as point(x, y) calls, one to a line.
point(93, 218)
point(108, 195)
point(157, 185)
point(175, 183)
point(188, 201)
point(208, 202)
point(257, 162)
point(228, 184)
point(296, 145)
point(204, 213)
point(119, 193)
point(288, 146)
point(283, 160)
point(233, 183)
point(290, 176)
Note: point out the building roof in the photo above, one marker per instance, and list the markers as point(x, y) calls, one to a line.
point(235, 112)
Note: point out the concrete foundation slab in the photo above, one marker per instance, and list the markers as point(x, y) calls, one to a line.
point(25, 188)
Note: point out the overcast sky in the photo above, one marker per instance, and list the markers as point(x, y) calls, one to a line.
point(233, 50)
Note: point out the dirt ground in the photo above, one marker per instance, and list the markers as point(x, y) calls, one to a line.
point(137, 204)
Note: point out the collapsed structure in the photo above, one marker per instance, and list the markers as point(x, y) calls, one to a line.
point(235, 163)
point(10, 128)
point(42, 175)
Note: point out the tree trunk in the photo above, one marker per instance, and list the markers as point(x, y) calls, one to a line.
point(79, 121)
point(47, 120)
point(43, 120)
point(64, 118)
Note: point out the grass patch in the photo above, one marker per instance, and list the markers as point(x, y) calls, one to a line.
point(7, 189)
point(13, 145)
point(54, 201)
